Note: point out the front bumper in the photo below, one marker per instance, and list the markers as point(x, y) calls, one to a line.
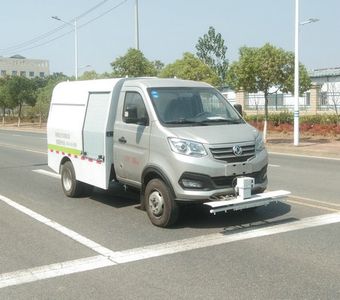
point(212, 187)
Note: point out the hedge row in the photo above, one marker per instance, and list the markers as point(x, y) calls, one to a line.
point(288, 118)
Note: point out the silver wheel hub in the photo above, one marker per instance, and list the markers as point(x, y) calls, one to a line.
point(67, 180)
point(156, 203)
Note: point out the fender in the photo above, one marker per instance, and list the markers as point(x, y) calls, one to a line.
point(151, 172)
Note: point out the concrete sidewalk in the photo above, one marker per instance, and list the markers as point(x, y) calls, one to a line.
point(311, 146)
point(277, 143)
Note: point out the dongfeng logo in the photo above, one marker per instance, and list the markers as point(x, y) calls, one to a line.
point(237, 150)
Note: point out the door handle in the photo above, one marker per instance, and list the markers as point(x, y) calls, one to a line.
point(122, 140)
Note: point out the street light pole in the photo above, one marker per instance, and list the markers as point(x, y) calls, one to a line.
point(136, 26)
point(296, 76)
point(75, 42)
point(296, 71)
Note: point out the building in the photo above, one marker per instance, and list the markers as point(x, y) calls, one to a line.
point(229, 94)
point(18, 65)
point(328, 83)
point(324, 95)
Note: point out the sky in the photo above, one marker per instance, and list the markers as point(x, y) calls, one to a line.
point(168, 28)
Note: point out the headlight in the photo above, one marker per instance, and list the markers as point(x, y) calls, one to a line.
point(186, 147)
point(259, 143)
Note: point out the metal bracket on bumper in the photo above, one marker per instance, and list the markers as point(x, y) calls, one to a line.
point(239, 203)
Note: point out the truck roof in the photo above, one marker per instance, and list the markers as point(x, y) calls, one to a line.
point(76, 92)
point(164, 82)
point(108, 84)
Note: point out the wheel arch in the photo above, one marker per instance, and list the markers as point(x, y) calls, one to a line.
point(152, 172)
point(63, 161)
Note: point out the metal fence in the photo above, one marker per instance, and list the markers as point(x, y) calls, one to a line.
point(328, 101)
point(285, 102)
point(276, 102)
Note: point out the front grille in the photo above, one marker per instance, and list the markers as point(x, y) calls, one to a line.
point(227, 154)
point(226, 181)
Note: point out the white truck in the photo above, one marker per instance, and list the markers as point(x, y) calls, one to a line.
point(176, 141)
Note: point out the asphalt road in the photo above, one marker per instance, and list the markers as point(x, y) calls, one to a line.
point(104, 247)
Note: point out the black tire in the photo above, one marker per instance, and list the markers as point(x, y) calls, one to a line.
point(159, 204)
point(71, 186)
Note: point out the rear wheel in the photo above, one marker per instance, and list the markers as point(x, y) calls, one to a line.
point(159, 203)
point(71, 186)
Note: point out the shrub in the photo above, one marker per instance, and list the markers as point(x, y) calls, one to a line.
point(281, 118)
point(321, 125)
point(288, 118)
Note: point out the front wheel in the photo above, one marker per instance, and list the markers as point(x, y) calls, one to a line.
point(159, 203)
point(71, 186)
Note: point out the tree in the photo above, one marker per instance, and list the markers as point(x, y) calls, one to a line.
point(212, 51)
point(159, 66)
point(88, 75)
point(134, 64)
point(39, 82)
point(58, 76)
point(21, 90)
point(42, 105)
point(261, 69)
point(190, 67)
point(44, 95)
point(4, 101)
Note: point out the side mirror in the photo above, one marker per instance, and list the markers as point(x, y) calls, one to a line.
point(238, 107)
point(130, 114)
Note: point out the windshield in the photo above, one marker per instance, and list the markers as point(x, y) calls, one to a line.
point(192, 106)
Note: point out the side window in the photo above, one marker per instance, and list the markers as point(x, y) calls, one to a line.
point(213, 104)
point(134, 109)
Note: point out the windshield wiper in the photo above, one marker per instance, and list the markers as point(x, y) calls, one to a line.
point(222, 120)
point(204, 122)
point(184, 121)
point(180, 121)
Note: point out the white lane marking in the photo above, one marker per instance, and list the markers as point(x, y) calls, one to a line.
point(22, 135)
point(131, 255)
point(220, 238)
point(47, 173)
point(274, 166)
point(108, 257)
point(313, 200)
point(304, 156)
point(62, 229)
point(322, 207)
point(54, 270)
point(18, 148)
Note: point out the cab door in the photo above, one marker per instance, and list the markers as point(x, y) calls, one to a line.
point(131, 136)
